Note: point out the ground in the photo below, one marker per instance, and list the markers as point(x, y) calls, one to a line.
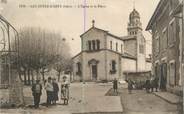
point(140, 102)
point(98, 98)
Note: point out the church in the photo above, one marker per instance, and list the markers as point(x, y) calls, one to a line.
point(105, 56)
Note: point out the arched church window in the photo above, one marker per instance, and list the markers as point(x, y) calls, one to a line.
point(113, 67)
point(89, 45)
point(116, 46)
point(111, 45)
point(121, 48)
point(78, 68)
point(93, 43)
point(98, 44)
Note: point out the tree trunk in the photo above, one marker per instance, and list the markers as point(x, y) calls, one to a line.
point(43, 74)
point(28, 74)
point(32, 77)
point(25, 78)
point(70, 76)
point(59, 75)
point(37, 74)
point(20, 77)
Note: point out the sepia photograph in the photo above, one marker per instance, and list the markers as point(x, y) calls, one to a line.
point(91, 56)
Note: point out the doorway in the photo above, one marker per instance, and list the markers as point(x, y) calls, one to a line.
point(94, 72)
point(163, 78)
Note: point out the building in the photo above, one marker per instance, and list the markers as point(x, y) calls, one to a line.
point(166, 30)
point(105, 56)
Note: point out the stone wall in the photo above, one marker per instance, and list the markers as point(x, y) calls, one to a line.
point(131, 47)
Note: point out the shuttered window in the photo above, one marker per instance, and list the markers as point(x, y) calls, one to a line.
point(172, 73)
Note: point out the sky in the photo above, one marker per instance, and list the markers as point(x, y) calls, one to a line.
point(72, 22)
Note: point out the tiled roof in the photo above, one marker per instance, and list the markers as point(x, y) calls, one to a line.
point(108, 33)
point(117, 37)
point(93, 28)
point(128, 55)
point(128, 37)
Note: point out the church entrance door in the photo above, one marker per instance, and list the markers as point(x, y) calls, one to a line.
point(94, 72)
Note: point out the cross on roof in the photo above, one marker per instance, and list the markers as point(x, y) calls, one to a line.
point(93, 23)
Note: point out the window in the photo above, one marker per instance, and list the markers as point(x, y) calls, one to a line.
point(172, 32)
point(121, 48)
point(173, 4)
point(157, 43)
point(165, 39)
point(113, 67)
point(98, 44)
point(111, 45)
point(78, 68)
point(93, 43)
point(89, 44)
point(172, 72)
point(116, 46)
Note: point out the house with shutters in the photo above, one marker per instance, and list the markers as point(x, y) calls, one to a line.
point(105, 56)
point(166, 28)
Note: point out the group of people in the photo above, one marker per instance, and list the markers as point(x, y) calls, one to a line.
point(149, 85)
point(52, 89)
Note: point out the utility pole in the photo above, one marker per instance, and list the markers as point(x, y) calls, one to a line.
point(182, 48)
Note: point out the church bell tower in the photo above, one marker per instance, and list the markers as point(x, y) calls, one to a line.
point(134, 24)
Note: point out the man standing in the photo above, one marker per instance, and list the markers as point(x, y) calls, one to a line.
point(37, 91)
point(49, 91)
point(115, 85)
point(55, 92)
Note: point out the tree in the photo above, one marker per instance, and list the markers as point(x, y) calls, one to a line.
point(39, 50)
point(64, 63)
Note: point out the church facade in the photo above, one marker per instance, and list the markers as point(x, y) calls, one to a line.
point(105, 56)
